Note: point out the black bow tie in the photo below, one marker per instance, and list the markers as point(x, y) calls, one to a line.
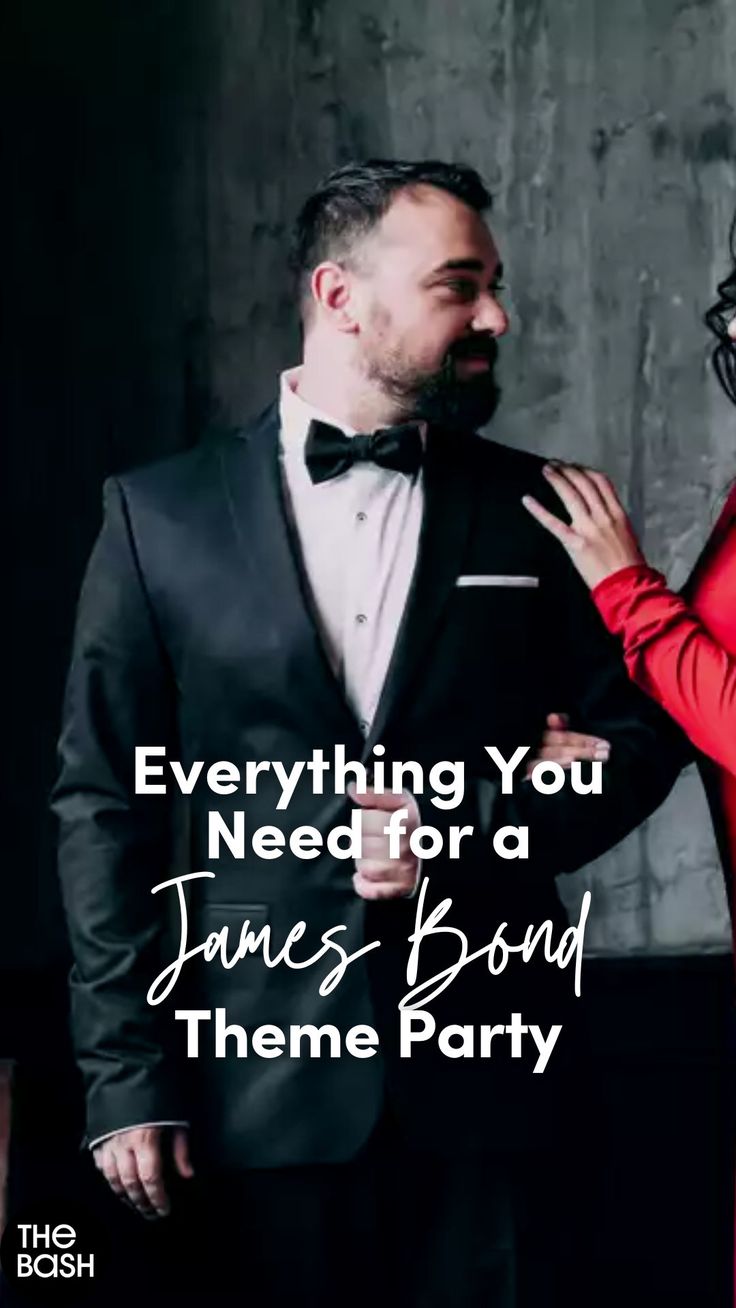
point(328, 452)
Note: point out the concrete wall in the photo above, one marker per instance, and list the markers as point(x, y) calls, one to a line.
point(158, 151)
point(607, 133)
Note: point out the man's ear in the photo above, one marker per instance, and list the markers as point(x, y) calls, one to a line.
point(331, 287)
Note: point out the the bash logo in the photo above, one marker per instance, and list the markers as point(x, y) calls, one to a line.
point(56, 1252)
point(47, 1252)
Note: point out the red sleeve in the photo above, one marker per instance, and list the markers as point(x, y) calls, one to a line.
point(671, 655)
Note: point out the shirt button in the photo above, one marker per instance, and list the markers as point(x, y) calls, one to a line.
point(364, 726)
point(360, 618)
point(361, 517)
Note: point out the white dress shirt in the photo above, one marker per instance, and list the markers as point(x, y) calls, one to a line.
point(358, 535)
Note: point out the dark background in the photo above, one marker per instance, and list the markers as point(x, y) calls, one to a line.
point(152, 158)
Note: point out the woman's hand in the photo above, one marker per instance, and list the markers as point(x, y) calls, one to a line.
point(600, 539)
point(560, 745)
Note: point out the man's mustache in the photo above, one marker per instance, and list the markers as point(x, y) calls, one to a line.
point(475, 347)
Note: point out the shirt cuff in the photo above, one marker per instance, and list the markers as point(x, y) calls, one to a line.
point(134, 1126)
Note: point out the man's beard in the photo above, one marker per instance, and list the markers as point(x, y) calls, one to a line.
point(441, 396)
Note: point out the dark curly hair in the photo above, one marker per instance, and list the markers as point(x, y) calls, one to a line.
point(353, 199)
point(718, 318)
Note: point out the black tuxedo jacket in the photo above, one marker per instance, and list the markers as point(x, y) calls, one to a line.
point(195, 632)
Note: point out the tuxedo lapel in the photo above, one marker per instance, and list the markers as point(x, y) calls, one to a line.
point(269, 551)
point(450, 496)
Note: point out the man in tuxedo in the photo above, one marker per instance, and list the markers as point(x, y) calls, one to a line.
point(353, 568)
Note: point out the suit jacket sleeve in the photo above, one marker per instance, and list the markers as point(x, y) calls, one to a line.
point(115, 845)
point(648, 751)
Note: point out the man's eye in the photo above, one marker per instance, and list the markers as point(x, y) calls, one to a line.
point(466, 289)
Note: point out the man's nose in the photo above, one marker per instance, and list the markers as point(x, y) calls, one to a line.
point(490, 316)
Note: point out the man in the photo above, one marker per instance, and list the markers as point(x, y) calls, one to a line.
point(298, 585)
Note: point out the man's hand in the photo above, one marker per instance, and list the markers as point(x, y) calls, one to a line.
point(376, 875)
point(132, 1164)
point(560, 745)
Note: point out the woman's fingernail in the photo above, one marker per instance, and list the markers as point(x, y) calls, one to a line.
point(602, 751)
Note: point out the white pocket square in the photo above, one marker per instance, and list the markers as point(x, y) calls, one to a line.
point(495, 579)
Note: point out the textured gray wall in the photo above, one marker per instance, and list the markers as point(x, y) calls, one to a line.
point(607, 134)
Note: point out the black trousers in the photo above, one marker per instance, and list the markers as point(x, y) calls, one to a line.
point(394, 1225)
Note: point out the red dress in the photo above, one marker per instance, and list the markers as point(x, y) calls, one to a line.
point(682, 652)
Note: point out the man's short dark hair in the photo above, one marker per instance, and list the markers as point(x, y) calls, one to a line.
point(354, 198)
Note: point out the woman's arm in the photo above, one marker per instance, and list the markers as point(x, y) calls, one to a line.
point(668, 651)
point(670, 654)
